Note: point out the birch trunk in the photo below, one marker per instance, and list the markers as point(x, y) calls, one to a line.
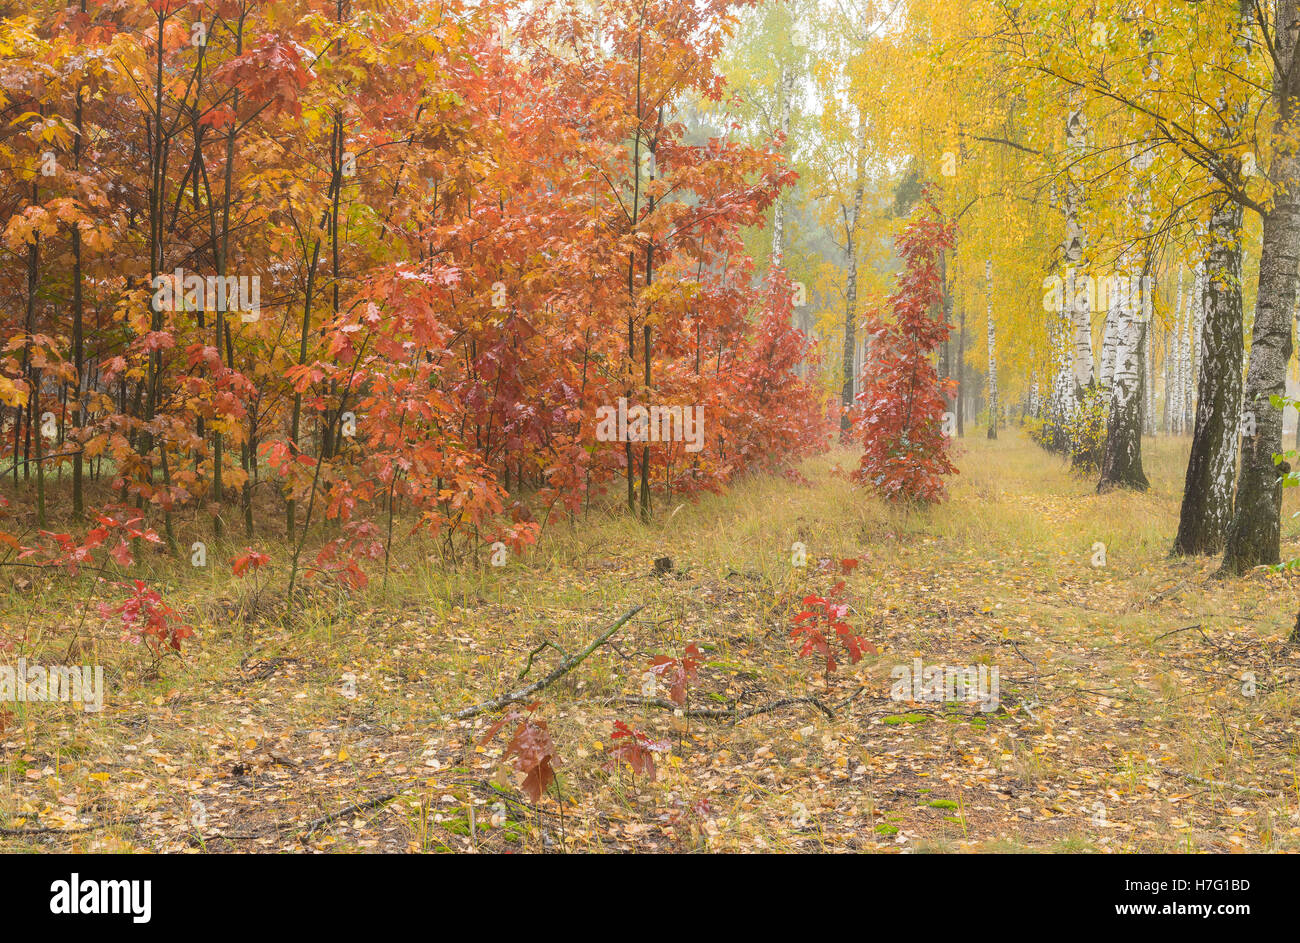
point(1129, 314)
point(1207, 491)
point(1080, 308)
point(1109, 338)
point(1206, 510)
point(1296, 319)
point(1121, 461)
point(1168, 405)
point(1079, 328)
point(947, 320)
point(961, 373)
point(851, 216)
point(1191, 370)
point(1254, 537)
point(993, 357)
point(1148, 383)
point(1180, 333)
point(785, 82)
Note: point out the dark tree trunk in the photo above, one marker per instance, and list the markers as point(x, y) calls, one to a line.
point(1121, 459)
point(1207, 493)
point(1255, 535)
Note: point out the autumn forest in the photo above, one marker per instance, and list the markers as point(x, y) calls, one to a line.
point(558, 426)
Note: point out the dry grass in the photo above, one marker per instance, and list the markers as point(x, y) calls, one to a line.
point(1120, 728)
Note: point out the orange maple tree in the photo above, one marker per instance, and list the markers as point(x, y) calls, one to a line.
point(354, 261)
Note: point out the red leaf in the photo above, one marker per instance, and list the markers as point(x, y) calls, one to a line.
point(122, 554)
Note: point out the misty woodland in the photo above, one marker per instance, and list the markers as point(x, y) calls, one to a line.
point(649, 425)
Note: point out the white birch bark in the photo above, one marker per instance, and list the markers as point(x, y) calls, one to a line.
point(1148, 386)
point(1171, 362)
point(1128, 327)
point(993, 359)
point(1110, 336)
point(1081, 315)
point(785, 91)
point(1180, 333)
point(1194, 326)
point(1121, 459)
point(1254, 537)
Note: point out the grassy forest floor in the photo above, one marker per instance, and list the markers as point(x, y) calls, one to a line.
point(1124, 725)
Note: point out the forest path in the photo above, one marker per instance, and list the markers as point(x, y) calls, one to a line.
point(1122, 713)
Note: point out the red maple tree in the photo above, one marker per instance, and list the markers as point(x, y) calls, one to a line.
point(900, 409)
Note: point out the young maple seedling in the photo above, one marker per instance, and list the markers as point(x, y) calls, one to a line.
point(143, 615)
point(533, 751)
point(678, 673)
point(250, 561)
point(821, 624)
point(632, 746)
point(689, 818)
point(847, 565)
point(531, 747)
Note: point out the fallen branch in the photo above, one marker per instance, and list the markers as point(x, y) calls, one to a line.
point(564, 667)
point(490, 790)
point(851, 698)
point(1012, 643)
point(1186, 628)
point(948, 708)
point(534, 653)
point(1222, 785)
point(341, 813)
point(735, 716)
point(49, 830)
point(704, 713)
point(367, 804)
point(784, 702)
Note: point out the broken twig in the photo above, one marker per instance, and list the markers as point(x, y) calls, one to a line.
point(735, 716)
point(342, 813)
point(564, 667)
